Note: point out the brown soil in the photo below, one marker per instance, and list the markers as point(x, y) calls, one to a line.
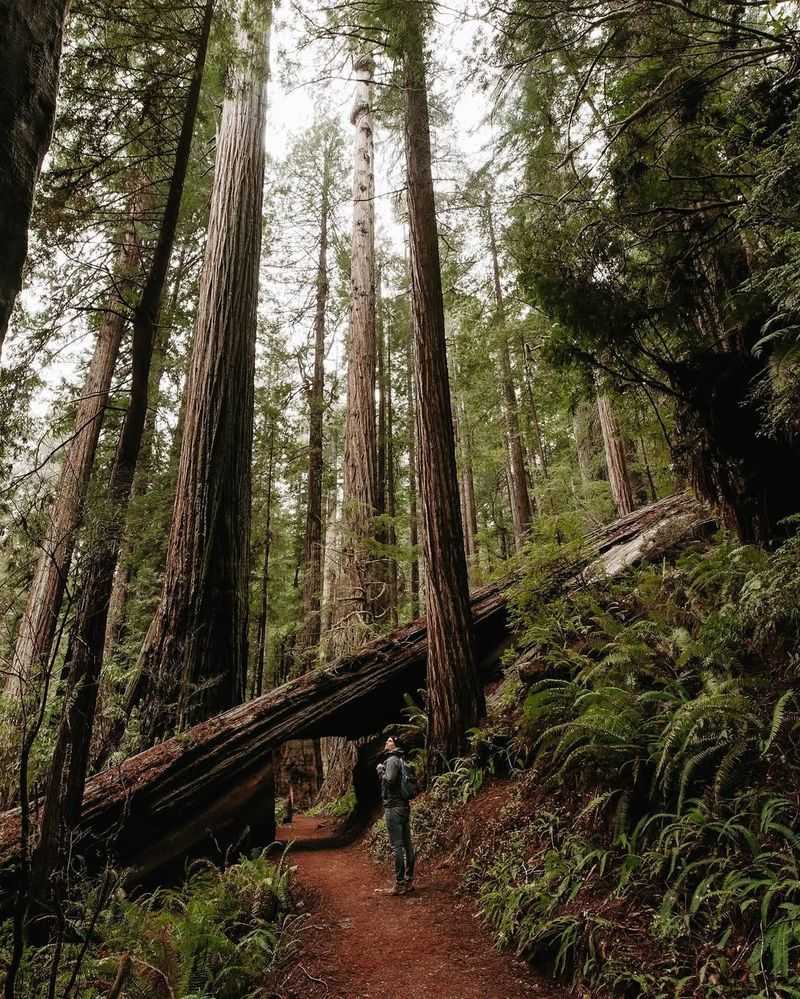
point(359, 944)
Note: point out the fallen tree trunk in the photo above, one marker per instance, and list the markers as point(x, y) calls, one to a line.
point(213, 780)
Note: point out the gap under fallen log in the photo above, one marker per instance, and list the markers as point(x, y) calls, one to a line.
point(210, 782)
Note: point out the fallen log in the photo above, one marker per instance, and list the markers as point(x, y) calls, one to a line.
point(211, 781)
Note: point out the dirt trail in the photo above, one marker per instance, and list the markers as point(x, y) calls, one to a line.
point(364, 945)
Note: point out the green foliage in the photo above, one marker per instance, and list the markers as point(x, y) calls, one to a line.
point(667, 716)
point(223, 935)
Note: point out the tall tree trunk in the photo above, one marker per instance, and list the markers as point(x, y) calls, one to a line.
point(413, 520)
point(469, 485)
point(331, 564)
point(615, 457)
point(31, 37)
point(312, 549)
point(262, 631)
point(144, 473)
point(455, 695)
point(533, 409)
point(520, 497)
point(196, 647)
point(67, 775)
point(39, 622)
point(391, 497)
point(356, 589)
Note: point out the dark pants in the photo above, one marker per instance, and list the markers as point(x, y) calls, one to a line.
point(398, 825)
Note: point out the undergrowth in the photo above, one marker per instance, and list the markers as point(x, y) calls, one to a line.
point(650, 846)
point(224, 935)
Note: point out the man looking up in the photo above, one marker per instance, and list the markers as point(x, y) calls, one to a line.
point(398, 787)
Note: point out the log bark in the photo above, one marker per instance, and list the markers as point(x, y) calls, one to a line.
point(195, 652)
point(455, 697)
point(31, 38)
point(176, 795)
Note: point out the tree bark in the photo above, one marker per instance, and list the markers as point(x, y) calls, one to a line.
point(31, 38)
point(455, 696)
point(312, 548)
point(520, 497)
point(144, 473)
point(413, 520)
point(356, 588)
point(40, 619)
point(469, 485)
point(391, 498)
point(615, 457)
point(262, 632)
point(196, 648)
point(67, 774)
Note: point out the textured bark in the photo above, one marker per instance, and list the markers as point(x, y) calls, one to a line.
point(312, 548)
point(469, 486)
point(615, 457)
point(262, 627)
point(171, 797)
point(195, 652)
point(533, 410)
point(144, 472)
point(391, 497)
point(356, 587)
point(68, 767)
point(521, 509)
point(455, 696)
point(39, 622)
point(413, 519)
point(31, 36)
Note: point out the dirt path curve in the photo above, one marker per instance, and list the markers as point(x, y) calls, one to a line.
point(364, 945)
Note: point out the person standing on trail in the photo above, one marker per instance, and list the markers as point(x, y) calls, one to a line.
point(398, 787)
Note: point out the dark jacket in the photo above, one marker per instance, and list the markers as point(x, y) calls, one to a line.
point(390, 772)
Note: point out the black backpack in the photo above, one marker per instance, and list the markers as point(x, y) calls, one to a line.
point(409, 788)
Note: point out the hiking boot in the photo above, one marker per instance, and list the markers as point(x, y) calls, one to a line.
point(408, 887)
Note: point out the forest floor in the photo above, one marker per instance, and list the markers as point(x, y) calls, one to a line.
point(361, 944)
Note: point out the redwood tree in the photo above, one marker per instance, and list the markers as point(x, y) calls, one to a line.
point(312, 545)
point(31, 36)
point(67, 775)
point(455, 695)
point(196, 646)
point(355, 590)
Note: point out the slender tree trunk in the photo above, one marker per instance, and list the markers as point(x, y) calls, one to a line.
point(533, 409)
point(356, 589)
point(68, 768)
point(31, 37)
point(196, 647)
point(469, 485)
point(462, 490)
point(615, 457)
point(455, 695)
point(262, 633)
point(413, 520)
point(312, 550)
point(391, 497)
point(332, 543)
point(144, 473)
point(40, 620)
point(520, 497)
